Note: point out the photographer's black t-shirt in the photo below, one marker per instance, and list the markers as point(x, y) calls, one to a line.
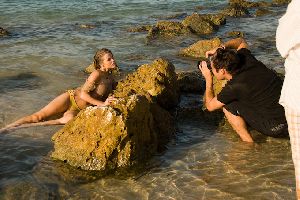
point(256, 88)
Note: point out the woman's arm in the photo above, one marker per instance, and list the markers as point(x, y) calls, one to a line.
point(89, 86)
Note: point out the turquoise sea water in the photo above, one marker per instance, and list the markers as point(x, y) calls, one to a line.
point(46, 54)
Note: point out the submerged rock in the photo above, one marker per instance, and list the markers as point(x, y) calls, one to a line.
point(235, 34)
point(262, 11)
point(3, 32)
point(172, 16)
point(129, 131)
point(281, 2)
point(235, 10)
point(143, 28)
point(87, 26)
point(198, 49)
point(250, 4)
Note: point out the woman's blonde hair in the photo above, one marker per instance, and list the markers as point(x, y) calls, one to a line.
point(98, 58)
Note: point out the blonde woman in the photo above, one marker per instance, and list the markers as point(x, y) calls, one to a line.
point(94, 91)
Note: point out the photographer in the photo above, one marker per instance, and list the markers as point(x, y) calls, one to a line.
point(250, 97)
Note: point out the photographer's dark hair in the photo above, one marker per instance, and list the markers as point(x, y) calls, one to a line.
point(226, 59)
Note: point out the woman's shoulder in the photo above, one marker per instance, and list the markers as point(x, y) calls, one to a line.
point(96, 74)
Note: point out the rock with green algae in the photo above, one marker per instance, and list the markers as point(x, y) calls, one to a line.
point(281, 2)
point(106, 138)
point(262, 12)
point(167, 29)
point(157, 81)
point(198, 49)
point(129, 131)
point(204, 24)
point(235, 10)
point(250, 4)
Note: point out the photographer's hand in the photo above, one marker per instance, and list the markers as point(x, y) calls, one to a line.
point(205, 71)
point(213, 51)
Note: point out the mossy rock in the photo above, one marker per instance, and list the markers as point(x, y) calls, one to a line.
point(167, 29)
point(105, 138)
point(216, 19)
point(198, 49)
point(261, 12)
point(281, 2)
point(3, 32)
point(156, 81)
point(235, 10)
point(235, 34)
point(199, 24)
point(143, 28)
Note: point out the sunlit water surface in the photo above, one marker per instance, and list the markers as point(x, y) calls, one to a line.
point(46, 54)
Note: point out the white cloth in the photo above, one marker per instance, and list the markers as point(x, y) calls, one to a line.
point(288, 45)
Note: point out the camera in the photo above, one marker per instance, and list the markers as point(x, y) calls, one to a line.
point(207, 62)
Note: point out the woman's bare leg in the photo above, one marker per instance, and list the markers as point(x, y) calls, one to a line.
point(63, 120)
point(58, 105)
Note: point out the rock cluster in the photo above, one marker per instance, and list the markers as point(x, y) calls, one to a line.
point(130, 131)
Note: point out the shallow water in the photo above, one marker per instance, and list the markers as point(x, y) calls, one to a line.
point(46, 54)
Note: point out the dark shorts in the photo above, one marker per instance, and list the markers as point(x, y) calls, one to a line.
point(265, 126)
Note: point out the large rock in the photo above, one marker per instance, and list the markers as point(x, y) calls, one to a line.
point(198, 49)
point(106, 138)
point(156, 81)
point(129, 131)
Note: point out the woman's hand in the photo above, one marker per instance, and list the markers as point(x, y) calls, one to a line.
point(109, 100)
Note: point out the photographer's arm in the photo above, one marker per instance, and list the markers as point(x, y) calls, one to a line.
point(211, 102)
point(236, 43)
